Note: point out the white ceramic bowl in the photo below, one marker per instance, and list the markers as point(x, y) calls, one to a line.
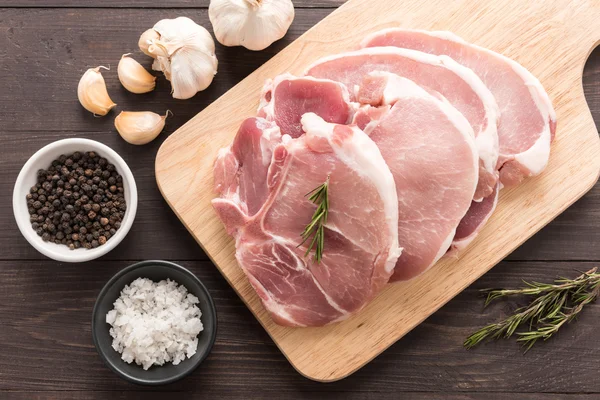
point(28, 178)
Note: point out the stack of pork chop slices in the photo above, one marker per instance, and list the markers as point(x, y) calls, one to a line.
point(415, 134)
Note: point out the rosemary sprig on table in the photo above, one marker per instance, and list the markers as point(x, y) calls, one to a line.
point(316, 227)
point(555, 305)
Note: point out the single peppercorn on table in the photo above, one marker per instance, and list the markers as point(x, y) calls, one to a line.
point(45, 306)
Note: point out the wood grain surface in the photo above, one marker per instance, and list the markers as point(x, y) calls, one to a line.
point(184, 164)
point(45, 306)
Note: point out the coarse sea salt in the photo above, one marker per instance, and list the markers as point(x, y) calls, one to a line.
point(155, 323)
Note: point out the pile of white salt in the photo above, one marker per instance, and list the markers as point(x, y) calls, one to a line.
point(155, 323)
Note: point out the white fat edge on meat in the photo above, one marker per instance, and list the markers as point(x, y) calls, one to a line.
point(390, 50)
point(363, 156)
point(487, 140)
point(536, 157)
point(489, 147)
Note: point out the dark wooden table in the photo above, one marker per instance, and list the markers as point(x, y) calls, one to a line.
point(46, 348)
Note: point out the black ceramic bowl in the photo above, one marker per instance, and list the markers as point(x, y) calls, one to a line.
point(156, 271)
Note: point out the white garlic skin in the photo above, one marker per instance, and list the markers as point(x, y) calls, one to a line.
point(185, 53)
point(92, 93)
point(140, 127)
point(146, 39)
point(134, 77)
point(254, 24)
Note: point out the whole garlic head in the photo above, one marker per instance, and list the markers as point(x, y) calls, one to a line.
point(185, 52)
point(254, 24)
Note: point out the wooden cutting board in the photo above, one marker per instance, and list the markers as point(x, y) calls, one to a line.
point(551, 38)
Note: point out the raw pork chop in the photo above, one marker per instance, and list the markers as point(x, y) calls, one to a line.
point(527, 120)
point(383, 88)
point(286, 98)
point(430, 149)
point(361, 235)
point(463, 89)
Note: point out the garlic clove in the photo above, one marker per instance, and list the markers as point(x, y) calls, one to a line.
point(140, 127)
point(254, 24)
point(134, 77)
point(185, 53)
point(146, 39)
point(92, 92)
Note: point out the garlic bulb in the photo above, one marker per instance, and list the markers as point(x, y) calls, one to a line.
point(184, 52)
point(254, 24)
point(92, 92)
point(134, 77)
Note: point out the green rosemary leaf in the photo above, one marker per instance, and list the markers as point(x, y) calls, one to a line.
point(555, 305)
point(316, 227)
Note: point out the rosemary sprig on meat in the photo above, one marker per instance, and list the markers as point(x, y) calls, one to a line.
point(555, 305)
point(316, 227)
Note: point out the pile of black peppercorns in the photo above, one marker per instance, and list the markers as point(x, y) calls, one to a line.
point(78, 201)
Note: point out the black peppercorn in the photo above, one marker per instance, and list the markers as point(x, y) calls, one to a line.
point(78, 201)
